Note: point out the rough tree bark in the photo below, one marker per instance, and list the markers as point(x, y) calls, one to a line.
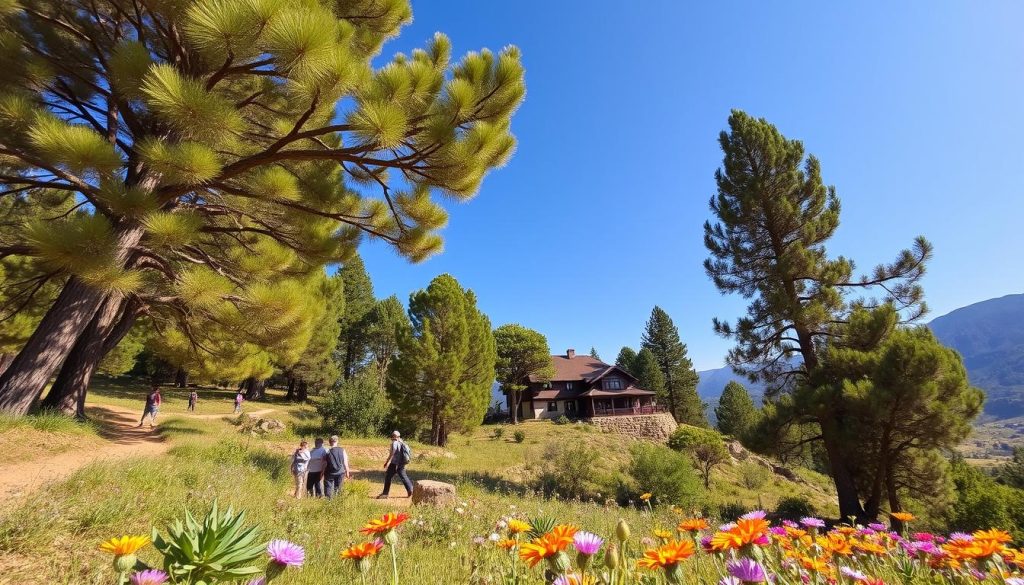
point(5, 360)
point(181, 378)
point(254, 389)
point(303, 391)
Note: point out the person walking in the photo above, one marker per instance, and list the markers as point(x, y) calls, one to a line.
point(153, 400)
point(238, 401)
point(315, 471)
point(336, 468)
point(300, 462)
point(193, 398)
point(398, 457)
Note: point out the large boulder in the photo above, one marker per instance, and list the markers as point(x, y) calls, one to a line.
point(433, 493)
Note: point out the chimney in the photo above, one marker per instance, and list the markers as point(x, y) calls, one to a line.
point(570, 353)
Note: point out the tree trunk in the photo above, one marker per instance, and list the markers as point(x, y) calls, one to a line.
point(291, 389)
point(181, 378)
point(108, 327)
point(517, 399)
point(5, 360)
point(303, 392)
point(255, 389)
point(55, 336)
point(894, 501)
point(846, 488)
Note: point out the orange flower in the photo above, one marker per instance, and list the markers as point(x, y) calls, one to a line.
point(693, 525)
point(518, 526)
point(667, 555)
point(817, 565)
point(645, 496)
point(386, 523)
point(362, 550)
point(983, 549)
point(869, 547)
point(847, 530)
point(995, 534)
point(563, 533)
point(835, 544)
point(548, 545)
point(902, 516)
point(506, 543)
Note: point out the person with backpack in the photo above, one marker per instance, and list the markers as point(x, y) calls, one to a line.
point(193, 398)
point(153, 400)
point(300, 461)
point(336, 468)
point(398, 457)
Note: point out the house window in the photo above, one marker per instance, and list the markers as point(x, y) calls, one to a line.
point(568, 385)
point(552, 406)
point(612, 384)
point(570, 407)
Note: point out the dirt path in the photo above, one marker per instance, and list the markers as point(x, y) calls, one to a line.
point(118, 427)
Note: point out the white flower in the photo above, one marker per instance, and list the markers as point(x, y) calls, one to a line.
point(502, 524)
point(494, 537)
point(460, 511)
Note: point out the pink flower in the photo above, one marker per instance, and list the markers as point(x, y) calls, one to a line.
point(587, 543)
point(148, 577)
point(755, 515)
point(286, 553)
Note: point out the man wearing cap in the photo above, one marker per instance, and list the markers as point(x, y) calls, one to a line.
point(398, 458)
point(335, 468)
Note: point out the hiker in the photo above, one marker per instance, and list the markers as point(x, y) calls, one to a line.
point(335, 468)
point(238, 401)
point(300, 462)
point(315, 471)
point(153, 400)
point(398, 457)
point(193, 397)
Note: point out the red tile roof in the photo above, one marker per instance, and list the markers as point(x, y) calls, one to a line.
point(581, 367)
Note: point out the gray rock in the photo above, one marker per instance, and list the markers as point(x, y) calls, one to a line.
point(433, 493)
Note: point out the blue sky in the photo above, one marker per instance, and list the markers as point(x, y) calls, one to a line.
point(914, 109)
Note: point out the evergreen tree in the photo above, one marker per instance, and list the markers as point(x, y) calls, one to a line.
point(594, 354)
point(735, 413)
point(627, 360)
point(384, 329)
point(648, 374)
point(441, 380)
point(1012, 473)
point(773, 216)
point(211, 143)
point(661, 338)
point(523, 357)
point(316, 368)
point(357, 406)
point(359, 301)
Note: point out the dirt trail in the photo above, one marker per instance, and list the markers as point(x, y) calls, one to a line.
point(118, 427)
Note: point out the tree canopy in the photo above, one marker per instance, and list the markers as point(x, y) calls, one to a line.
point(735, 413)
point(661, 338)
point(523, 355)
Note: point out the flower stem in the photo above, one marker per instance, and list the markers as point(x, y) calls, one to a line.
point(394, 565)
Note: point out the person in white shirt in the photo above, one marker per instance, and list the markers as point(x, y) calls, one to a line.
point(315, 471)
point(300, 460)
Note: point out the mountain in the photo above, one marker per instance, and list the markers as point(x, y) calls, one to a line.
point(712, 382)
point(990, 337)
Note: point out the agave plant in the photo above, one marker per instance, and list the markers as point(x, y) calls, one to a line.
point(540, 526)
point(218, 549)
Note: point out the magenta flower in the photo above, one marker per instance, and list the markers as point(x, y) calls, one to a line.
point(287, 554)
point(587, 543)
point(747, 570)
point(923, 536)
point(810, 522)
point(876, 527)
point(149, 577)
point(789, 523)
point(777, 530)
point(755, 515)
point(729, 580)
point(853, 574)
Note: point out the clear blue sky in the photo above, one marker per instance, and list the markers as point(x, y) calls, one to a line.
point(914, 109)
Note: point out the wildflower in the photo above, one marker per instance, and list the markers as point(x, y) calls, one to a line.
point(479, 540)
point(876, 526)
point(283, 554)
point(575, 579)
point(549, 547)
point(646, 496)
point(754, 515)
point(923, 536)
point(1000, 536)
point(902, 516)
point(494, 537)
point(667, 557)
point(961, 536)
point(124, 549)
point(587, 543)
point(693, 525)
point(662, 534)
point(149, 577)
point(745, 532)
point(747, 570)
point(835, 544)
point(853, 574)
point(361, 554)
point(506, 543)
point(1014, 581)
point(811, 522)
point(518, 526)
point(386, 523)
point(816, 565)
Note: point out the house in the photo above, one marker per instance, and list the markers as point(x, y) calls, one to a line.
point(584, 387)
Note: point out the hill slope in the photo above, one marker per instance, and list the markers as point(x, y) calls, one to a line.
point(990, 337)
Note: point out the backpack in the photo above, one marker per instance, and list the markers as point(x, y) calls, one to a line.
point(335, 460)
point(406, 453)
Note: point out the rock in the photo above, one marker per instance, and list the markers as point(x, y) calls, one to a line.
point(433, 493)
point(737, 451)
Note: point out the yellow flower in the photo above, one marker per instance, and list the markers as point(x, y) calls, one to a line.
point(995, 534)
point(902, 516)
point(645, 496)
point(662, 534)
point(518, 526)
point(667, 555)
point(125, 545)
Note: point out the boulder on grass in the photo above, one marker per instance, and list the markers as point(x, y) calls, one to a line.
point(433, 493)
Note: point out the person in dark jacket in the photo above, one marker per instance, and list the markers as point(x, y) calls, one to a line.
point(398, 457)
point(336, 468)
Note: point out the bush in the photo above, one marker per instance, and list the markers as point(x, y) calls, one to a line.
point(666, 474)
point(731, 512)
point(705, 446)
point(794, 508)
point(753, 476)
point(497, 433)
point(562, 420)
point(519, 436)
point(356, 406)
point(567, 470)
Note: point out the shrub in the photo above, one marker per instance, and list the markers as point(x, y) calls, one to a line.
point(562, 420)
point(220, 548)
point(794, 508)
point(753, 476)
point(567, 470)
point(498, 432)
point(705, 446)
point(731, 512)
point(666, 474)
point(519, 436)
point(356, 406)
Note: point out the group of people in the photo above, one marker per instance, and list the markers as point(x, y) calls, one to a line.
point(154, 400)
point(321, 472)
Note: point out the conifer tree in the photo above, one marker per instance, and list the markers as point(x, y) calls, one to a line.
point(359, 301)
point(317, 368)
point(735, 413)
point(523, 357)
point(204, 138)
point(772, 218)
point(386, 325)
point(594, 354)
point(661, 338)
point(648, 374)
point(627, 359)
point(441, 380)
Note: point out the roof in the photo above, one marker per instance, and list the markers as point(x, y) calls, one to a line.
point(580, 367)
point(562, 394)
point(630, 391)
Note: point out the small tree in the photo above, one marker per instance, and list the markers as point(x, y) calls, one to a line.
point(661, 337)
point(626, 360)
point(594, 354)
point(1012, 474)
point(523, 356)
point(705, 446)
point(359, 301)
point(356, 406)
point(735, 413)
point(667, 475)
point(383, 330)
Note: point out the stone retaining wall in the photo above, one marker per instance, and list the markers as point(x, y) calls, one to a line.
point(656, 427)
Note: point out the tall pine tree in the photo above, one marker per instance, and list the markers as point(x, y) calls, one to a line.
point(440, 382)
point(648, 374)
point(627, 359)
point(735, 413)
point(384, 328)
point(359, 301)
point(661, 338)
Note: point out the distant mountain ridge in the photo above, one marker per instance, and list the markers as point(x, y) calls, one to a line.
point(990, 337)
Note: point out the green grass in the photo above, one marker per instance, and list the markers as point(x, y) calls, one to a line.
point(27, 437)
point(47, 422)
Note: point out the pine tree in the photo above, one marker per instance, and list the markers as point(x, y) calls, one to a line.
point(594, 354)
point(384, 328)
point(735, 413)
point(316, 368)
point(661, 338)
point(441, 380)
point(523, 357)
point(773, 216)
point(359, 301)
point(627, 360)
point(225, 142)
point(648, 374)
